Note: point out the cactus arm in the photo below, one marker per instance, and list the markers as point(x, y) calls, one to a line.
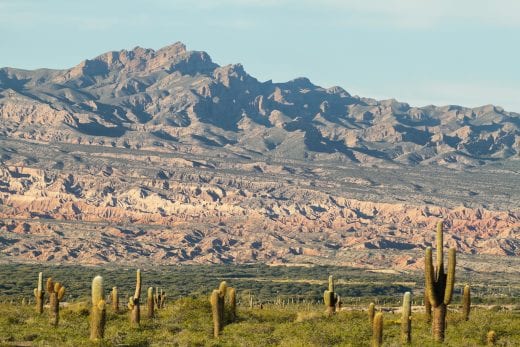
point(50, 285)
point(331, 283)
point(450, 280)
point(440, 254)
point(222, 288)
point(61, 293)
point(326, 298)
point(40, 281)
point(130, 303)
point(429, 277)
point(138, 285)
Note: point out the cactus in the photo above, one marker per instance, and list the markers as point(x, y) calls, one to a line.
point(215, 310)
point(330, 298)
point(98, 311)
point(150, 302)
point(439, 285)
point(491, 338)
point(217, 300)
point(38, 294)
point(232, 303)
point(406, 319)
point(222, 289)
point(377, 330)
point(162, 300)
point(56, 292)
point(114, 296)
point(133, 302)
point(371, 313)
point(466, 302)
point(427, 307)
point(159, 298)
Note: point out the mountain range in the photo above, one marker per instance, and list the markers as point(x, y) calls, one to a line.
point(139, 154)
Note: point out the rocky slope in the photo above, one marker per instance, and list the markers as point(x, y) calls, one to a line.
point(166, 155)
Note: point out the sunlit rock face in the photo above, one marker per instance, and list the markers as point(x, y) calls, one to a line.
point(164, 154)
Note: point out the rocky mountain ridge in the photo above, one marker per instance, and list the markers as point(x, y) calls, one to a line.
point(179, 100)
point(164, 155)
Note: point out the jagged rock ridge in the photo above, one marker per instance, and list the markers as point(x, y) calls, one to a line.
point(179, 100)
point(165, 155)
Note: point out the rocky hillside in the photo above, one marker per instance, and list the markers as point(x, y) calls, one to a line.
point(165, 155)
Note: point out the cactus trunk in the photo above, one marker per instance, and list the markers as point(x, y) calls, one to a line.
point(150, 303)
point(115, 300)
point(38, 294)
point(466, 302)
point(97, 321)
point(371, 313)
point(54, 308)
point(439, 322)
point(377, 330)
point(98, 311)
point(133, 302)
point(439, 285)
point(232, 304)
point(406, 319)
point(215, 310)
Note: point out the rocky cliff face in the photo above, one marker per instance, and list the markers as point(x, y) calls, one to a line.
point(166, 155)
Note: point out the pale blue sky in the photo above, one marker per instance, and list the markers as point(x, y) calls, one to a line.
point(418, 51)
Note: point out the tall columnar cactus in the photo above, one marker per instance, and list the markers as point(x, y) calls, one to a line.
point(377, 330)
point(38, 294)
point(339, 303)
point(133, 302)
point(98, 311)
point(159, 298)
point(217, 300)
point(491, 338)
point(439, 285)
point(466, 302)
point(406, 319)
point(330, 297)
point(216, 309)
point(371, 313)
point(232, 303)
point(150, 303)
point(56, 292)
point(114, 297)
point(427, 307)
point(222, 289)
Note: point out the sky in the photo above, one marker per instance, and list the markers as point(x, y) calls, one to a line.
point(417, 51)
